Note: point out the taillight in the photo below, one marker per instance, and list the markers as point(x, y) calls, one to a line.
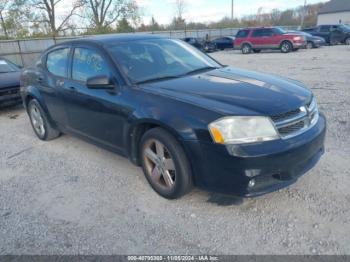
point(297, 38)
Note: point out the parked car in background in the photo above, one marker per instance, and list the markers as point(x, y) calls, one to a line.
point(311, 40)
point(201, 44)
point(333, 34)
point(226, 42)
point(9, 81)
point(182, 116)
point(256, 39)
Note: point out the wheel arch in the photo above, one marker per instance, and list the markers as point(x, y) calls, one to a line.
point(137, 129)
point(32, 92)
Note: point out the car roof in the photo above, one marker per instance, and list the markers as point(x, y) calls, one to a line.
point(261, 27)
point(113, 38)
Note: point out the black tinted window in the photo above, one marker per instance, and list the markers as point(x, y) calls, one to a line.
point(57, 61)
point(88, 63)
point(242, 33)
point(325, 28)
point(262, 32)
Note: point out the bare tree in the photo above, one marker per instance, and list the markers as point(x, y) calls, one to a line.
point(46, 12)
point(105, 13)
point(180, 7)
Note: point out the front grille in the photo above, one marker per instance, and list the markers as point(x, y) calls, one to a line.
point(9, 91)
point(291, 129)
point(296, 121)
point(285, 115)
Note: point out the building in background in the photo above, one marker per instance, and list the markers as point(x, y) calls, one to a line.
point(334, 12)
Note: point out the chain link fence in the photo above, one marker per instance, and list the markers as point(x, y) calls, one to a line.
point(26, 51)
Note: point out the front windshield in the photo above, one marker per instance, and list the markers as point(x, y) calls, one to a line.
point(143, 60)
point(6, 67)
point(344, 27)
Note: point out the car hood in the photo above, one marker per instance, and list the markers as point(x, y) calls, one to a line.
point(229, 91)
point(10, 79)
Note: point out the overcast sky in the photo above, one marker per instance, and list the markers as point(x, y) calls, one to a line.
point(211, 10)
point(203, 10)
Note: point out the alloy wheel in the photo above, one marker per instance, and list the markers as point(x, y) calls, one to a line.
point(309, 45)
point(160, 166)
point(347, 41)
point(285, 47)
point(37, 120)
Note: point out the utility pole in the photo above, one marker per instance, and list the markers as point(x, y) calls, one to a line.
point(303, 15)
point(232, 9)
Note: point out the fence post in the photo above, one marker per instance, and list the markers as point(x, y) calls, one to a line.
point(20, 52)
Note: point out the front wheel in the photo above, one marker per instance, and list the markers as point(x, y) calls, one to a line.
point(286, 47)
point(40, 123)
point(165, 164)
point(309, 45)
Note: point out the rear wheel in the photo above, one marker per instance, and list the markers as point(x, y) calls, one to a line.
point(256, 50)
point(165, 164)
point(40, 124)
point(246, 49)
point(347, 41)
point(286, 47)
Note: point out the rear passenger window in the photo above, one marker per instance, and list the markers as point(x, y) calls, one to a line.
point(325, 28)
point(258, 33)
point(242, 33)
point(57, 61)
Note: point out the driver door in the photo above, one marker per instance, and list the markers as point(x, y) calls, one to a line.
point(94, 113)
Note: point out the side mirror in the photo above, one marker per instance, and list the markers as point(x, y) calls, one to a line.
point(100, 82)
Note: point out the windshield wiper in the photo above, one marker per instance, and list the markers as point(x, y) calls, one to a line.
point(207, 68)
point(156, 79)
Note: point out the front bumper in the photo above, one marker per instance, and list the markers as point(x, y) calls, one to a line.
point(273, 165)
point(9, 94)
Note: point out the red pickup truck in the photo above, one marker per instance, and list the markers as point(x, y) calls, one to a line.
point(255, 39)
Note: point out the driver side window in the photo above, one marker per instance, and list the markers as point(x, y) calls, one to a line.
point(88, 63)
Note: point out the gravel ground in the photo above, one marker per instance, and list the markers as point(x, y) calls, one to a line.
point(69, 197)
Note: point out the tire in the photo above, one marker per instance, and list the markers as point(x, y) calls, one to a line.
point(286, 47)
point(246, 49)
point(309, 45)
point(167, 159)
point(38, 119)
point(257, 50)
point(347, 41)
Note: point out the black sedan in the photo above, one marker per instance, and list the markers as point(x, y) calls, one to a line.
point(201, 44)
point(312, 41)
point(223, 43)
point(9, 81)
point(185, 118)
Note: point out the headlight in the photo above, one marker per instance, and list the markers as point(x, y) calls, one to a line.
point(242, 129)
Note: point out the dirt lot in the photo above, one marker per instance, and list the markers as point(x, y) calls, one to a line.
point(69, 197)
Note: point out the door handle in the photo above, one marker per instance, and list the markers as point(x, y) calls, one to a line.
point(72, 89)
point(40, 80)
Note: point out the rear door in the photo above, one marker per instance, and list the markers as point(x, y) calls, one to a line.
point(324, 31)
point(256, 38)
point(51, 76)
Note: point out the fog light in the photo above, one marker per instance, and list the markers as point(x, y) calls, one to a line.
point(252, 172)
point(251, 183)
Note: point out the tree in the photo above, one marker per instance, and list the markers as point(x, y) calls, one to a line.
point(275, 16)
point(104, 13)
point(46, 12)
point(180, 6)
point(4, 8)
point(124, 26)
